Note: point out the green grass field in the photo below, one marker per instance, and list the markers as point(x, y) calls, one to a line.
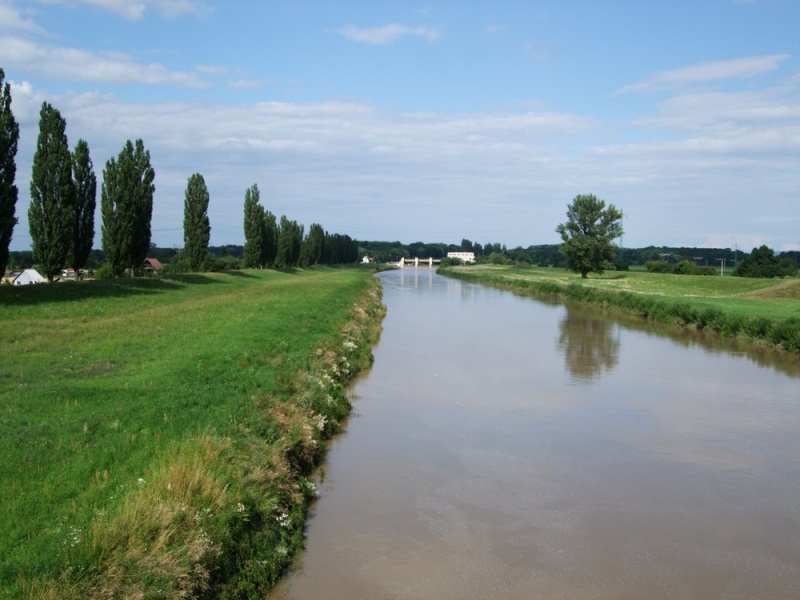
point(115, 392)
point(759, 309)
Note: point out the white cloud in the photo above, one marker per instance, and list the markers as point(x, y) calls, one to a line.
point(134, 11)
point(379, 36)
point(212, 70)
point(11, 19)
point(739, 68)
point(246, 84)
point(177, 8)
point(499, 176)
point(73, 64)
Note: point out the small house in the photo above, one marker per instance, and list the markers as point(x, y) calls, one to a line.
point(152, 266)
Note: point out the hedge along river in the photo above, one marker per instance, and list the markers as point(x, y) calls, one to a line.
point(502, 447)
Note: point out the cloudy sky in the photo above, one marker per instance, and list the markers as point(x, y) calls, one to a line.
point(435, 121)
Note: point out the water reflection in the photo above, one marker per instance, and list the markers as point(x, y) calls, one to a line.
point(765, 356)
point(416, 278)
point(589, 344)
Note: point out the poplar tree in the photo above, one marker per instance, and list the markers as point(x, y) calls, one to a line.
point(85, 183)
point(253, 229)
point(270, 239)
point(313, 246)
point(196, 226)
point(50, 214)
point(126, 205)
point(9, 138)
point(290, 240)
point(340, 249)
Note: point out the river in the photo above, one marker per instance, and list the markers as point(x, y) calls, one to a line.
point(502, 447)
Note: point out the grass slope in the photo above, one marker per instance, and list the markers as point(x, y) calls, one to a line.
point(156, 434)
point(765, 310)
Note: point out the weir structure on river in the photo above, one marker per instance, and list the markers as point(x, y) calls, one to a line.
point(419, 263)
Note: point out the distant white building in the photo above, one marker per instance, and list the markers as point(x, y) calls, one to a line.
point(28, 277)
point(463, 256)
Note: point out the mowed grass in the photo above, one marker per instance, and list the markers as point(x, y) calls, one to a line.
point(730, 304)
point(102, 380)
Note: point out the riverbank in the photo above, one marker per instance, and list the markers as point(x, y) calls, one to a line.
point(158, 435)
point(759, 310)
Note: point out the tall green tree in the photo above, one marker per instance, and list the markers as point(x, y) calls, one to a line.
point(341, 249)
point(269, 246)
point(313, 248)
point(85, 183)
point(762, 262)
point(196, 226)
point(9, 138)
point(588, 234)
point(252, 256)
point(51, 212)
point(126, 205)
point(290, 240)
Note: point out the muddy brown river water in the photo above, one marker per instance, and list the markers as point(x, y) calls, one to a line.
point(503, 448)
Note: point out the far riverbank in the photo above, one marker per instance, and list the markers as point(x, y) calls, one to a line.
point(765, 311)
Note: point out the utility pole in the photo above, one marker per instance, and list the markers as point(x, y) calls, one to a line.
point(722, 267)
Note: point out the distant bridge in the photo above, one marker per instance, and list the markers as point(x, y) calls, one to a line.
point(419, 263)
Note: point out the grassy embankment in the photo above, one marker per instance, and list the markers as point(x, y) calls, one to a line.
point(762, 310)
point(157, 435)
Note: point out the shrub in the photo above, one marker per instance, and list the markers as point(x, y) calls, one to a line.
point(620, 265)
point(684, 313)
point(496, 258)
point(787, 334)
point(756, 327)
point(731, 325)
point(685, 267)
point(104, 272)
point(656, 266)
point(451, 262)
point(710, 317)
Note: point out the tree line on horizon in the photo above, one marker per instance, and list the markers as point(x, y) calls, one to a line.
point(549, 255)
point(61, 213)
point(588, 246)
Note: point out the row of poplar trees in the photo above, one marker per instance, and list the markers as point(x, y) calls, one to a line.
point(269, 243)
point(64, 194)
point(63, 201)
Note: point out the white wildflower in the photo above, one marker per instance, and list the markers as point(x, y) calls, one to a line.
point(320, 421)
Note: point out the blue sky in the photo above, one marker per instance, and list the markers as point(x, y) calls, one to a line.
point(433, 122)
